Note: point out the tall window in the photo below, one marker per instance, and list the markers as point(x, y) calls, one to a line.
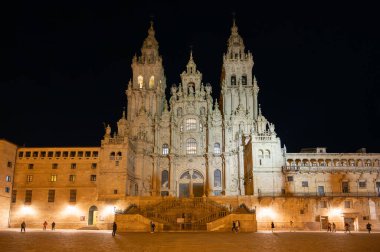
point(73, 195)
point(53, 178)
point(72, 178)
point(179, 111)
point(93, 166)
point(54, 166)
point(217, 178)
point(267, 154)
point(8, 178)
point(30, 166)
point(73, 166)
point(217, 148)
point(28, 196)
point(51, 196)
point(191, 146)
point(191, 124)
point(14, 196)
point(165, 149)
point(93, 178)
point(244, 80)
point(140, 80)
point(151, 82)
point(164, 179)
point(112, 156)
point(233, 80)
point(29, 178)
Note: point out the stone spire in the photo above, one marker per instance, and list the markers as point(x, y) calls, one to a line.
point(235, 43)
point(191, 66)
point(149, 50)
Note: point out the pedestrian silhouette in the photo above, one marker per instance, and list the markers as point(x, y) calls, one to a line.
point(114, 228)
point(369, 227)
point(272, 226)
point(45, 225)
point(53, 225)
point(23, 226)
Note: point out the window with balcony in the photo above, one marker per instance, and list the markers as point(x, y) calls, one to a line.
point(191, 146)
point(191, 124)
point(216, 148)
point(165, 149)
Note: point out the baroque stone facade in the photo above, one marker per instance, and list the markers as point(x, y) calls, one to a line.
point(193, 146)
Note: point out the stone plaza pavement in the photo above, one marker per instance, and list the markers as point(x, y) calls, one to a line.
point(100, 240)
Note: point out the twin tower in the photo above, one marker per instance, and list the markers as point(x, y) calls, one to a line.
point(191, 145)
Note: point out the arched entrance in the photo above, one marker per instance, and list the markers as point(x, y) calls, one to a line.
point(191, 184)
point(92, 215)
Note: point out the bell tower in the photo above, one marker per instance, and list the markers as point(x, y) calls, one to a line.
point(146, 90)
point(239, 86)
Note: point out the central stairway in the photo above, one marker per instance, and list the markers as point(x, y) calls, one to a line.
point(185, 214)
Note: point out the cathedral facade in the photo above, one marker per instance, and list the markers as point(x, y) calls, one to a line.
point(190, 146)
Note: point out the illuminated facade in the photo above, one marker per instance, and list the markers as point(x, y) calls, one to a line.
point(193, 146)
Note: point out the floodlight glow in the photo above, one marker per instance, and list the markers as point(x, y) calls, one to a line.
point(266, 212)
point(335, 212)
point(108, 210)
point(27, 210)
point(71, 210)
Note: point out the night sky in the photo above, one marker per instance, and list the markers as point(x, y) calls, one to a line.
point(65, 66)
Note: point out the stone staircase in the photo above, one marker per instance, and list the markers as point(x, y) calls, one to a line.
point(185, 214)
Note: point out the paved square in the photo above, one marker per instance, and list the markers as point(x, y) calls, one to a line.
point(73, 240)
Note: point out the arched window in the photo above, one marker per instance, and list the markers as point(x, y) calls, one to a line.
point(140, 80)
point(136, 190)
point(151, 82)
point(112, 156)
point(164, 179)
point(179, 111)
point(217, 178)
point(217, 148)
point(261, 154)
point(165, 149)
point(267, 154)
point(118, 155)
point(191, 146)
point(244, 80)
point(233, 80)
point(191, 124)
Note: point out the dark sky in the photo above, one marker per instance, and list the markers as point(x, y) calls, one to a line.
point(65, 66)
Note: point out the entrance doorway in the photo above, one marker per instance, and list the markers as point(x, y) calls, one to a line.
point(191, 184)
point(351, 222)
point(92, 215)
point(324, 222)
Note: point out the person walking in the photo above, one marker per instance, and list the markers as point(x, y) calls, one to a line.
point(152, 226)
point(53, 225)
point(233, 226)
point(272, 226)
point(347, 228)
point(44, 225)
point(369, 227)
point(333, 227)
point(114, 228)
point(23, 226)
point(237, 226)
point(329, 227)
point(291, 226)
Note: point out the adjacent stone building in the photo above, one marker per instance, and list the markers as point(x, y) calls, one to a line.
point(191, 145)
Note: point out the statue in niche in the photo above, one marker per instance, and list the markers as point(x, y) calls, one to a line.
point(234, 184)
point(147, 183)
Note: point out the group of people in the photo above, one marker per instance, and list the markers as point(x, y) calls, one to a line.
point(331, 227)
point(44, 226)
point(235, 226)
